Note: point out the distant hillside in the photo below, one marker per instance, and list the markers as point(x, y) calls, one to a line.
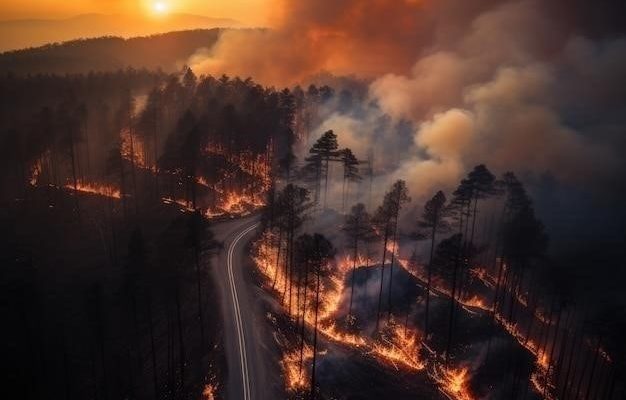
point(19, 34)
point(168, 51)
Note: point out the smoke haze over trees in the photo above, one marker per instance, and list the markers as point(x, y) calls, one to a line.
point(465, 158)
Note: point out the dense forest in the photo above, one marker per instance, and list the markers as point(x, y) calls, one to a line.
point(109, 181)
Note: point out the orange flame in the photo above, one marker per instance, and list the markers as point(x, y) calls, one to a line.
point(208, 393)
point(99, 189)
point(397, 346)
point(296, 376)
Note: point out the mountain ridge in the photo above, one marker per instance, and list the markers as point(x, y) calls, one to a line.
point(18, 34)
point(166, 51)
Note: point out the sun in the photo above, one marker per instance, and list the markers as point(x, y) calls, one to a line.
point(160, 7)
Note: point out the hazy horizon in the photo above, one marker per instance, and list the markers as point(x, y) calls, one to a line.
point(17, 34)
point(33, 23)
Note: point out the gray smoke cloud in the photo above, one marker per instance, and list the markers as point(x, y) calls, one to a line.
point(525, 85)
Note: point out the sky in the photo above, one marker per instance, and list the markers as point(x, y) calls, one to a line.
point(253, 12)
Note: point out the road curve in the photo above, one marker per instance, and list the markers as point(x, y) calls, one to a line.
point(241, 337)
point(251, 353)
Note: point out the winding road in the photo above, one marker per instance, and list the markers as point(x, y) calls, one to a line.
point(251, 352)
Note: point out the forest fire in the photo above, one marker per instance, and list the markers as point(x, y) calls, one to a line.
point(483, 276)
point(454, 383)
point(539, 378)
point(296, 377)
point(209, 392)
point(256, 165)
point(437, 287)
point(439, 224)
point(397, 346)
point(133, 149)
point(476, 302)
point(98, 189)
point(35, 171)
point(184, 204)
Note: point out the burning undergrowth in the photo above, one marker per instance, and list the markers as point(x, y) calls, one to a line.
point(473, 343)
point(310, 302)
point(224, 185)
point(396, 346)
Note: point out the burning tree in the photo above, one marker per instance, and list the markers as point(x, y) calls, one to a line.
point(293, 202)
point(318, 252)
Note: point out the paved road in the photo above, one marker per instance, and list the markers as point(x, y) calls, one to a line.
point(251, 353)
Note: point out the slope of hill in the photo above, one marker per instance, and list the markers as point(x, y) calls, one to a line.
point(19, 34)
point(168, 51)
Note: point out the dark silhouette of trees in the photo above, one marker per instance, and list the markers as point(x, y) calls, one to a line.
point(321, 154)
point(293, 203)
point(321, 253)
point(446, 261)
point(358, 229)
point(313, 253)
point(200, 240)
point(64, 136)
point(148, 126)
point(385, 221)
point(350, 173)
point(433, 221)
point(109, 54)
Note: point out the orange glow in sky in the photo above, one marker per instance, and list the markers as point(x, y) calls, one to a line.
point(251, 12)
point(160, 7)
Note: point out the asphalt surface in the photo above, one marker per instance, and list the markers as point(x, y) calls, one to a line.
point(251, 352)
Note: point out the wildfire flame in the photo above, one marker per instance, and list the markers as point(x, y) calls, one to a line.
point(99, 189)
point(208, 393)
point(455, 383)
point(397, 346)
point(133, 149)
point(296, 377)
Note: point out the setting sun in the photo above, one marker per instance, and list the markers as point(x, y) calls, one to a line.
point(160, 7)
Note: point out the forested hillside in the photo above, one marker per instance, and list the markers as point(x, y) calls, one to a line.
point(168, 51)
point(108, 185)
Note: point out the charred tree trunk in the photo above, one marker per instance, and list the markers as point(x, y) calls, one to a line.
point(302, 331)
point(382, 275)
point(570, 362)
point(393, 254)
point(582, 374)
point(74, 178)
point(280, 245)
point(429, 279)
point(355, 255)
point(181, 342)
point(451, 315)
point(132, 169)
point(199, 289)
point(317, 301)
point(153, 349)
point(593, 369)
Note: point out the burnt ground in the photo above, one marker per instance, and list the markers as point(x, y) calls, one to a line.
point(69, 329)
point(497, 362)
point(345, 372)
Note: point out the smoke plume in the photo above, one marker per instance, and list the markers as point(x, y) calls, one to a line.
point(521, 85)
